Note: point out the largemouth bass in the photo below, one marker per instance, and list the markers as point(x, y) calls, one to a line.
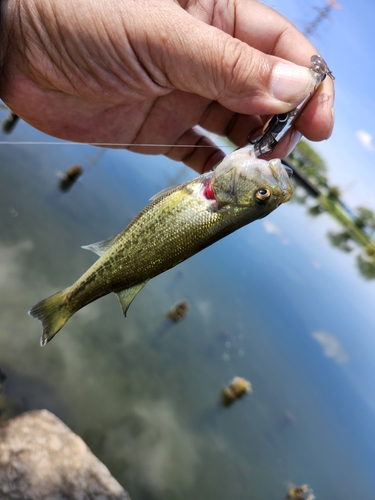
point(179, 222)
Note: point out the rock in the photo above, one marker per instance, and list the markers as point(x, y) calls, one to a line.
point(42, 459)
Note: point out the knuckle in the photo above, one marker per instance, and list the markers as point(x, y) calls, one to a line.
point(241, 70)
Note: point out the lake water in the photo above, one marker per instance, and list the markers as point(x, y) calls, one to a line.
point(274, 303)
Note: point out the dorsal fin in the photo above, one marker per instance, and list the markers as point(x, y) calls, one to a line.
point(101, 246)
point(164, 192)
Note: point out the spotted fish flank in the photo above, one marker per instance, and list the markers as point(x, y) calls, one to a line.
point(178, 223)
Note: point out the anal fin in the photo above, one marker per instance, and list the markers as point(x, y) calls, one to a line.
point(127, 296)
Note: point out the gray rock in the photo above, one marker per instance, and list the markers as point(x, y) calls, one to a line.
point(42, 459)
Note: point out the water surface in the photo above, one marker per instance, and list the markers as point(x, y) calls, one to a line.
point(273, 303)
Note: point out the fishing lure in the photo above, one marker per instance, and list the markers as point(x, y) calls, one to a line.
point(278, 126)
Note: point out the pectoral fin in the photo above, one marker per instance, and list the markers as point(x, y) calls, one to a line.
point(100, 247)
point(127, 296)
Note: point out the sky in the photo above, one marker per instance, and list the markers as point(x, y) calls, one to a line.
point(346, 40)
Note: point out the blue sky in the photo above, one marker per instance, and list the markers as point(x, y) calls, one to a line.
point(347, 42)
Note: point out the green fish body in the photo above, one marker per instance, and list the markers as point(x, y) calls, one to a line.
point(178, 223)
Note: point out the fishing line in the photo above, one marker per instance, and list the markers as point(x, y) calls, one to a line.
point(108, 144)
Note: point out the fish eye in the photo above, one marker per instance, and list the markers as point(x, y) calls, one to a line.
point(262, 194)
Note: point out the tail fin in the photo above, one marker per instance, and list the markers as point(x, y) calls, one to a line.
point(53, 313)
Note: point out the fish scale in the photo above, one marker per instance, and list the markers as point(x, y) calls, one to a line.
point(177, 224)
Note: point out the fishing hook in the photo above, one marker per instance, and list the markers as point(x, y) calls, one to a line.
point(278, 126)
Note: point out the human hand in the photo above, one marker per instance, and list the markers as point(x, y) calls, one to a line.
point(148, 71)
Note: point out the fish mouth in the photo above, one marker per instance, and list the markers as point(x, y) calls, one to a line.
point(289, 171)
point(282, 173)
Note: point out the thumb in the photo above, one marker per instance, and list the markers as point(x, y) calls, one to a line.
point(207, 61)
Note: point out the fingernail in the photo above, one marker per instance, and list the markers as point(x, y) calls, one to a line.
point(291, 83)
point(332, 122)
point(294, 140)
point(326, 105)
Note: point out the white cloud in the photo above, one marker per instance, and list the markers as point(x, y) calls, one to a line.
point(331, 346)
point(157, 448)
point(271, 228)
point(365, 139)
point(205, 308)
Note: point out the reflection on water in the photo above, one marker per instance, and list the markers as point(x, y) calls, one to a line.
point(357, 224)
point(274, 303)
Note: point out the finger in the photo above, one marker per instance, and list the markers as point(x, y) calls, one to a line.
point(235, 126)
point(201, 158)
point(266, 30)
point(275, 35)
point(169, 117)
point(286, 146)
point(220, 67)
point(170, 121)
point(317, 119)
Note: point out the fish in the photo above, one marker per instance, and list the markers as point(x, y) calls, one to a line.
point(237, 388)
point(178, 311)
point(10, 122)
point(68, 178)
point(178, 222)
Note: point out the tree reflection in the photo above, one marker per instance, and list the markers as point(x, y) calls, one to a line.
point(340, 240)
point(333, 193)
point(365, 220)
point(366, 266)
point(313, 166)
point(315, 210)
point(358, 224)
